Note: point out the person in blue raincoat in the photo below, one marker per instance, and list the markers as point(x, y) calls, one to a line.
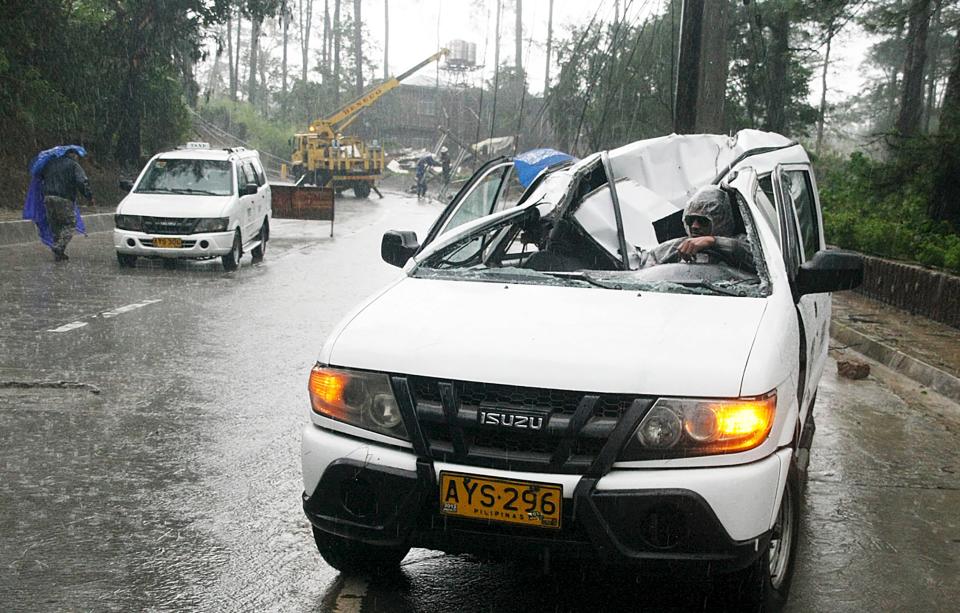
point(422, 164)
point(56, 178)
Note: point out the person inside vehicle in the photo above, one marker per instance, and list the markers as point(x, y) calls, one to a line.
point(711, 235)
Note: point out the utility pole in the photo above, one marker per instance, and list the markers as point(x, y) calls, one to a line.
point(386, 39)
point(546, 79)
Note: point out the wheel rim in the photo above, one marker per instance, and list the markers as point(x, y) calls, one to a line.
point(781, 547)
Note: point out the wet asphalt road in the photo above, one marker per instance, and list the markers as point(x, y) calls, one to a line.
point(170, 478)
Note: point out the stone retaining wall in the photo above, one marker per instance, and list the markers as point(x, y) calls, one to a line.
point(913, 288)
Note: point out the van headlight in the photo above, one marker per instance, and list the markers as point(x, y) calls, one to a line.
point(128, 222)
point(212, 224)
point(362, 399)
point(684, 427)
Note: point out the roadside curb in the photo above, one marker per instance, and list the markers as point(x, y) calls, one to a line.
point(23, 230)
point(926, 374)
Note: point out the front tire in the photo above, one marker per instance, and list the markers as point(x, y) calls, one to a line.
point(765, 584)
point(126, 260)
point(356, 557)
point(231, 261)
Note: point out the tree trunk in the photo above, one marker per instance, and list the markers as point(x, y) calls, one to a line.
point(945, 203)
point(911, 98)
point(546, 79)
point(325, 52)
point(821, 115)
point(236, 61)
point(688, 67)
point(306, 23)
point(358, 44)
point(702, 71)
point(336, 53)
point(496, 71)
point(778, 61)
point(213, 80)
point(283, 67)
point(519, 38)
point(386, 39)
point(932, 72)
point(254, 51)
point(712, 92)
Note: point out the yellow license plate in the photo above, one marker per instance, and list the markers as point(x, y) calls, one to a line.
point(503, 500)
point(168, 243)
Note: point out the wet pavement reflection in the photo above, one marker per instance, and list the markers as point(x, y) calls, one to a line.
point(177, 486)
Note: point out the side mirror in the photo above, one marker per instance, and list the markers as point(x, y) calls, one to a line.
point(398, 246)
point(249, 189)
point(829, 271)
point(125, 184)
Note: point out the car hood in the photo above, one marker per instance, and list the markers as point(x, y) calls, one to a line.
point(174, 205)
point(584, 339)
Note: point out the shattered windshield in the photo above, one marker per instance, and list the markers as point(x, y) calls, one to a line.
point(190, 177)
point(570, 236)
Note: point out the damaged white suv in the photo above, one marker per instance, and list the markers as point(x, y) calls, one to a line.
point(531, 386)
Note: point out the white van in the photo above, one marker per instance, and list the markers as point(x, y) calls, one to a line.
point(197, 203)
point(529, 386)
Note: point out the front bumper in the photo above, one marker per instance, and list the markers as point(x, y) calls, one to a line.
point(209, 244)
point(722, 516)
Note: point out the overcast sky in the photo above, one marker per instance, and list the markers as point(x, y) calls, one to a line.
point(418, 28)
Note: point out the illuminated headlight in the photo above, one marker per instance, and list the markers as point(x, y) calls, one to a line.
point(212, 224)
point(128, 222)
point(683, 427)
point(362, 399)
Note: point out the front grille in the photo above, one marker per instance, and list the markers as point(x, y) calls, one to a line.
point(577, 424)
point(169, 225)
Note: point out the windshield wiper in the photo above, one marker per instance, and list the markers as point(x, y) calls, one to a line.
point(582, 276)
point(190, 190)
point(726, 289)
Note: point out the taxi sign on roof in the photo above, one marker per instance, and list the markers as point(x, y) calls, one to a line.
point(197, 145)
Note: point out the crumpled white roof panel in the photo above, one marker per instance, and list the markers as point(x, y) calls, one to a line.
point(675, 166)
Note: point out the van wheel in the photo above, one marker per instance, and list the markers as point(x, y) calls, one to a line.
point(355, 557)
point(260, 250)
point(126, 260)
point(361, 189)
point(765, 584)
point(231, 261)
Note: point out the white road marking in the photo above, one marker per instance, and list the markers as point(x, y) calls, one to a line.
point(70, 326)
point(350, 598)
point(106, 315)
point(127, 308)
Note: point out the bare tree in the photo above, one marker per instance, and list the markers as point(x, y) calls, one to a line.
point(231, 67)
point(255, 22)
point(519, 37)
point(285, 20)
point(911, 98)
point(386, 39)
point(306, 23)
point(336, 52)
point(358, 44)
point(546, 79)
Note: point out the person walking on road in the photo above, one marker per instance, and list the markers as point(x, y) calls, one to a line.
point(51, 201)
point(422, 164)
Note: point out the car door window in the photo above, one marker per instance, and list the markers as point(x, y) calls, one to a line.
point(261, 176)
point(481, 199)
point(252, 178)
point(801, 193)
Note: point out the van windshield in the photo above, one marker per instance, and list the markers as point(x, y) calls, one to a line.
point(190, 177)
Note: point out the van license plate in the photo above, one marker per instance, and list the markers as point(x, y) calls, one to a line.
point(168, 243)
point(501, 500)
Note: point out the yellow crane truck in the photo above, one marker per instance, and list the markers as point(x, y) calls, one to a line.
point(324, 156)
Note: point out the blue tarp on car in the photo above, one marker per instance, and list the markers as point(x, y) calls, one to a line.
point(33, 208)
point(531, 163)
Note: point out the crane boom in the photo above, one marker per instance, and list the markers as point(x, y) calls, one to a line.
point(331, 125)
